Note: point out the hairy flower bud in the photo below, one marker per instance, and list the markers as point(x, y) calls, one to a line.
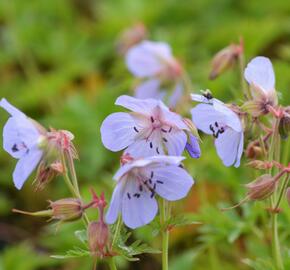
point(45, 173)
point(261, 188)
point(68, 209)
point(130, 37)
point(253, 150)
point(260, 165)
point(225, 59)
point(284, 126)
point(98, 238)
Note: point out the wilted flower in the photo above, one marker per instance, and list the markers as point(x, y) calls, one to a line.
point(68, 209)
point(260, 75)
point(137, 183)
point(261, 188)
point(130, 37)
point(154, 63)
point(150, 129)
point(225, 59)
point(22, 139)
point(215, 118)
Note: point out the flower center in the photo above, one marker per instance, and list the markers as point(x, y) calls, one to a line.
point(217, 129)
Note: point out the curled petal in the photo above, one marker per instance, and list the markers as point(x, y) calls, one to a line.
point(259, 71)
point(117, 131)
point(192, 147)
point(11, 109)
point(172, 182)
point(138, 208)
point(148, 58)
point(229, 147)
point(25, 166)
point(115, 204)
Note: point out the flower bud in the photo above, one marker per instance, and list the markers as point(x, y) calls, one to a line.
point(68, 209)
point(284, 126)
point(254, 150)
point(98, 238)
point(130, 37)
point(45, 173)
point(260, 165)
point(191, 127)
point(225, 59)
point(261, 188)
point(192, 147)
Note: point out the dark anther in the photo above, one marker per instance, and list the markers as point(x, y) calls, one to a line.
point(154, 186)
point(164, 139)
point(145, 182)
point(152, 174)
point(152, 119)
point(180, 166)
point(216, 124)
point(222, 130)
point(136, 129)
point(152, 194)
point(137, 195)
point(211, 128)
point(157, 150)
point(151, 145)
point(159, 182)
point(208, 96)
point(163, 130)
point(150, 181)
point(170, 129)
point(15, 148)
point(141, 188)
point(128, 195)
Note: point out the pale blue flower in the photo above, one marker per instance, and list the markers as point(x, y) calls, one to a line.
point(139, 180)
point(20, 139)
point(215, 118)
point(150, 129)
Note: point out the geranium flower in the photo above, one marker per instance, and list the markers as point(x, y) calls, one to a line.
point(139, 180)
point(260, 75)
point(215, 118)
point(150, 129)
point(154, 63)
point(21, 139)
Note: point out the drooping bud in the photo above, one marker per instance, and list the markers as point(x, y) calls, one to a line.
point(98, 238)
point(225, 59)
point(262, 187)
point(260, 165)
point(254, 150)
point(284, 125)
point(130, 37)
point(68, 209)
point(45, 173)
point(192, 147)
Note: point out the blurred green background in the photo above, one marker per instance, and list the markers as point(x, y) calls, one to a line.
point(58, 63)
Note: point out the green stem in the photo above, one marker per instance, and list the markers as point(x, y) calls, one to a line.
point(117, 231)
point(112, 264)
point(274, 153)
point(245, 88)
point(282, 191)
point(165, 235)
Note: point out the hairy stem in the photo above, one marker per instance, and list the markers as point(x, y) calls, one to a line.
point(112, 264)
point(274, 154)
point(165, 233)
point(117, 231)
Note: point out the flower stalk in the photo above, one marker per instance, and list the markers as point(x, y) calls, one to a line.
point(164, 215)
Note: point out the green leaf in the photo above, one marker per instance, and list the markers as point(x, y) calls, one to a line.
point(73, 253)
